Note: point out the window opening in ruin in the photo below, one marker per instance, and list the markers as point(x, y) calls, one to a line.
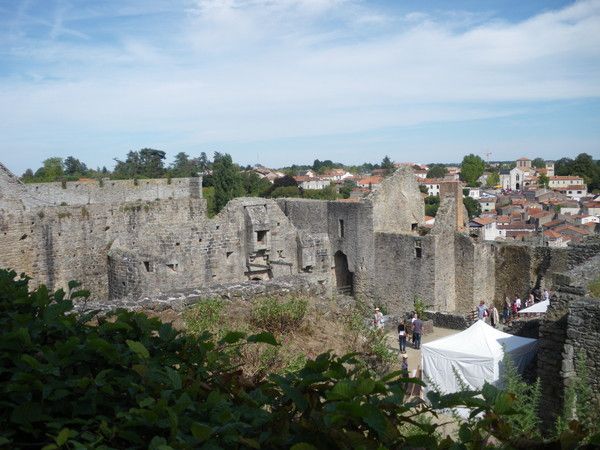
point(280, 254)
point(343, 276)
point(341, 228)
point(173, 267)
point(418, 249)
point(176, 243)
point(229, 254)
point(217, 227)
point(23, 237)
point(413, 226)
point(200, 240)
point(261, 236)
point(149, 268)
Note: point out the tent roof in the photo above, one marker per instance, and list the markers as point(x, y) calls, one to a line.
point(540, 307)
point(480, 340)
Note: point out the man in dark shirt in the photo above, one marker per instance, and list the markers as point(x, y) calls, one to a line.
point(417, 330)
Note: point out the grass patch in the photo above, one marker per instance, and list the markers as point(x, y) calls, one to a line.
point(594, 288)
point(279, 315)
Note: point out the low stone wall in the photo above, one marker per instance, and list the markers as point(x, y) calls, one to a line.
point(448, 320)
point(178, 301)
point(525, 328)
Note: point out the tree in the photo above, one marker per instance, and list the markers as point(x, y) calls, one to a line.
point(347, 187)
point(493, 179)
point(152, 162)
point(183, 166)
point(538, 163)
point(472, 168)
point(388, 165)
point(53, 169)
point(130, 168)
point(226, 180)
point(432, 204)
point(543, 180)
point(437, 171)
point(254, 185)
point(473, 207)
point(27, 176)
point(74, 167)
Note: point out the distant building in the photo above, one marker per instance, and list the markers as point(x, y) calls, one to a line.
point(432, 185)
point(484, 227)
point(487, 204)
point(311, 183)
point(369, 182)
point(557, 182)
point(524, 163)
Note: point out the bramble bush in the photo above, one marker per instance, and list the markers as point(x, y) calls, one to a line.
point(279, 315)
point(81, 381)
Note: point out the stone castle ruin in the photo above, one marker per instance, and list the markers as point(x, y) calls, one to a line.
point(148, 239)
point(141, 238)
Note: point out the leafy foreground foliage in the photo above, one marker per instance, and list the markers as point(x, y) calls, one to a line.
point(128, 381)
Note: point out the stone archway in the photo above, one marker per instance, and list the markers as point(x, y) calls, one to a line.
point(344, 279)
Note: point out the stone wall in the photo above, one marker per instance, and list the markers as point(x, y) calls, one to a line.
point(180, 299)
point(397, 203)
point(115, 191)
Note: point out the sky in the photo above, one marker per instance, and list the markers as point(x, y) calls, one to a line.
point(278, 82)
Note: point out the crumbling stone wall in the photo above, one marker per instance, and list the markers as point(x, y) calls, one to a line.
point(115, 191)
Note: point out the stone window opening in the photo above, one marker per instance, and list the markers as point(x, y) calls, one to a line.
point(149, 267)
point(280, 254)
point(23, 237)
point(413, 226)
point(261, 236)
point(418, 249)
point(177, 243)
point(173, 267)
point(341, 229)
point(228, 254)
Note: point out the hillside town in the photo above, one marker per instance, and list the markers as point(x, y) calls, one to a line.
point(527, 203)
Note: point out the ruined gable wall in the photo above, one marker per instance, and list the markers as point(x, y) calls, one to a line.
point(397, 203)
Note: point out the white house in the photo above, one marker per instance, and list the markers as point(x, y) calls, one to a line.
point(575, 192)
point(432, 185)
point(487, 204)
point(557, 182)
point(475, 193)
point(337, 175)
point(311, 183)
point(486, 227)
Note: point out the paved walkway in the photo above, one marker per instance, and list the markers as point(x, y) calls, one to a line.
point(414, 356)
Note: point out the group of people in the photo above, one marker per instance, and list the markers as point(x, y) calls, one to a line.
point(415, 327)
point(511, 308)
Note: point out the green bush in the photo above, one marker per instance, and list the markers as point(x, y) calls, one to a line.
point(206, 315)
point(128, 381)
point(278, 315)
point(594, 288)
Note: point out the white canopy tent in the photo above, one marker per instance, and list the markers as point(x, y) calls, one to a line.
point(475, 355)
point(539, 308)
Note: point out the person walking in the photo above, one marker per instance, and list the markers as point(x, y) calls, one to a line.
point(417, 330)
point(518, 302)
point(378, 319)
point(494, 317)
point(546, 294)
point(482, 311)
point(506, 310)
point(402, 337)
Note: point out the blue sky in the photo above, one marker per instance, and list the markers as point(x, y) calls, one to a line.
point(288, 81)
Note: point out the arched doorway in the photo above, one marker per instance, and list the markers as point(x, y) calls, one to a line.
point(343, 277)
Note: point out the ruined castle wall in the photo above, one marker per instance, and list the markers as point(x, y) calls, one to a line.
point(144, 247)
point(224, 249)
point(58, 244)
point(397, 203)
point(475, 273)
point(405, 269)
point(115, 191)
point(349, 227)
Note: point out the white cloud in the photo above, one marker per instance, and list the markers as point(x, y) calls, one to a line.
point(258, 69)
